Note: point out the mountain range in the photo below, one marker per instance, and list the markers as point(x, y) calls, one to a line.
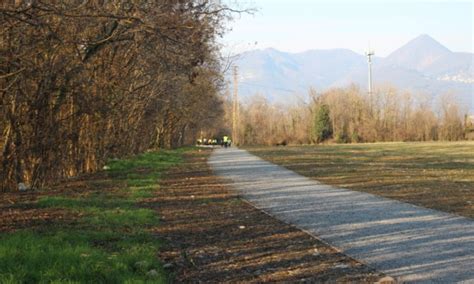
point(422, 65)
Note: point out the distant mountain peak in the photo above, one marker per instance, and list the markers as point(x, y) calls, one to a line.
point(419, 53)
point(424, 37)
point(427, 41)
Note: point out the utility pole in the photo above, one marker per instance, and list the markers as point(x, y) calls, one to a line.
point(235, 108)
point(369, 55)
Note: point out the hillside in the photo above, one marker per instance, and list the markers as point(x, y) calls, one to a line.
point(423, 65)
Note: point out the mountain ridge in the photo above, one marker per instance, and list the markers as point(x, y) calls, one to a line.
point(422, 65)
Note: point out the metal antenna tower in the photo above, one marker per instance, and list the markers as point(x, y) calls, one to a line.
point(235, 108)
point(369, 55)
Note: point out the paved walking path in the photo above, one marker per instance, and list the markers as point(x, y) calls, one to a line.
point(403, 240)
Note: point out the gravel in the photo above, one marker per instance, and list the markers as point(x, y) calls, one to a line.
point(408, 242)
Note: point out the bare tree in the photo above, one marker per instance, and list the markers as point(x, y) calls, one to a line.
point(388, 116)
point(83, 81)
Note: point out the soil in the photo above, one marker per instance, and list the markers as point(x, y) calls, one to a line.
point(212, 235)
point(209, 233)
point(19, 210)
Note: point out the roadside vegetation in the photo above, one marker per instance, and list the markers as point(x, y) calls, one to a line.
point(104, 234)
point(438, 175)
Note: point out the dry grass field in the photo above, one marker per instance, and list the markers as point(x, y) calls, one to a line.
point(438, 175)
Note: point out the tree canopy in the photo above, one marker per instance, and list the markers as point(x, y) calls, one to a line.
point(85, 81)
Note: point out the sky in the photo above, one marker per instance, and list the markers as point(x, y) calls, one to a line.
point(300, 25)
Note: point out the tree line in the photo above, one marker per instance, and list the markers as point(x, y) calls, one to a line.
point(83, 81)
point(349, 115)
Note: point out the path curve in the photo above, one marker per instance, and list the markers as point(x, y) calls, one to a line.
point(405, 241)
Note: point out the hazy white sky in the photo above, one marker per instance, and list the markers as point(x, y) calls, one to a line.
point(299, 25)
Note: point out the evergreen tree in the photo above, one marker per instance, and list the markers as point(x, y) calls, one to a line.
point(322, 124)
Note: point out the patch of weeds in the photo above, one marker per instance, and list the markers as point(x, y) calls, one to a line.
point(108, 244)
point(83, 203)
point(70, 256)
point(142, 192)
point(119, 217)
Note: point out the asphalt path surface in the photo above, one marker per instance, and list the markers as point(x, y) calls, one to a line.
point(408, 242)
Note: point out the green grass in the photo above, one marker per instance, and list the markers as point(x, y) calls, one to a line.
point(438, 175)
point(109, 243)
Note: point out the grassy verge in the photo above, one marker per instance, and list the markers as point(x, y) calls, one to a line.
point(435, 175)
point(109, 243)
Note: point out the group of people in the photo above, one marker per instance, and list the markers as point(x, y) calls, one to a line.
point(224, 141)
